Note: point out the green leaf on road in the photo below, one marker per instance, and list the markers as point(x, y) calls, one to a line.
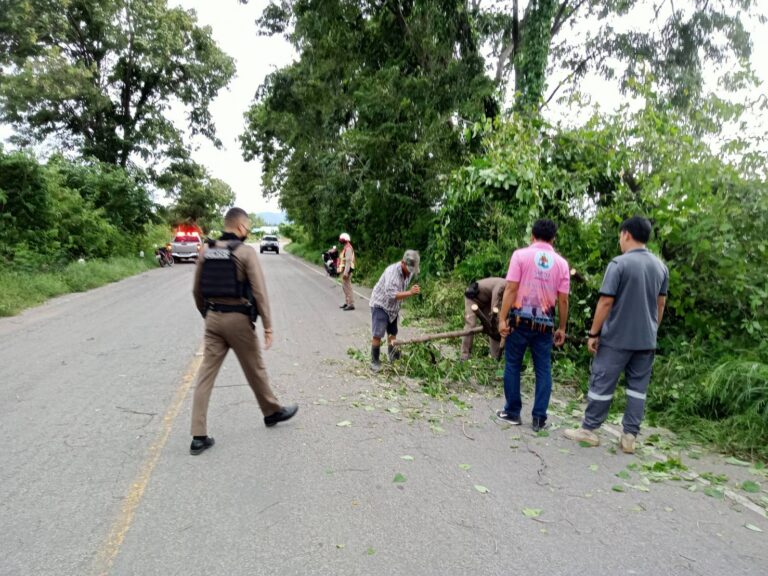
point(593, 467)
point(344, 424)
point(465, 466)
point(532, 512)
point(481, 489)
point(617, 488)
point(585, 444)
point(752, 527)
point(370, 551)
point(393, 410)
point(407, 457)
point(713, 492)
point(399, 478)
point(369, 408)
point(736, 462)
point(751, 487)
point(624, 475)
point(340, 546)
point(542, 434)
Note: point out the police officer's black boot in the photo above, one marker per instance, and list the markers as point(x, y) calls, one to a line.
point(375, 358)
point(200, 444)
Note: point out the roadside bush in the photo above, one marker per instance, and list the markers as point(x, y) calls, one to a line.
point(64, 210)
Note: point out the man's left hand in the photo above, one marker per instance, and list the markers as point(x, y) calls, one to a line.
point(559, 337)
point(267, 340)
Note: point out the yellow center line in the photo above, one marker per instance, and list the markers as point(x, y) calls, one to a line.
point(108, 552)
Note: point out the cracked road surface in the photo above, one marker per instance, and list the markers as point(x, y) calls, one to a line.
point(96, 478)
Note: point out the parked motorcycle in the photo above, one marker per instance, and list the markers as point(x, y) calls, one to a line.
point(331, 261)
point(163, 256)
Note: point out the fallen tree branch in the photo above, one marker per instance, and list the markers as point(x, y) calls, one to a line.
point(439, 336)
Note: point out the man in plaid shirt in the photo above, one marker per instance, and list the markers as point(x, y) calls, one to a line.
point(388, 294)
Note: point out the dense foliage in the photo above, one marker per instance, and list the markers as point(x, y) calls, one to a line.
point(709, 218)
point(363, 130)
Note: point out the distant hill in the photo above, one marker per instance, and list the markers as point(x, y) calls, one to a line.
point(272, 218)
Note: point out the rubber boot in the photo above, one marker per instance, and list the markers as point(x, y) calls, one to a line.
point(375, 358)
point(393, 353)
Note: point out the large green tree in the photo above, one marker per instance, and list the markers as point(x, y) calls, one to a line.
point(102, 75)
point(197, 197)
point(358, 132)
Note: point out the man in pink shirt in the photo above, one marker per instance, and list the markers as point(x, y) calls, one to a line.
point(538, 281)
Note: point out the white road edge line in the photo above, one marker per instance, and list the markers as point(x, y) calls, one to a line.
point(324, 274)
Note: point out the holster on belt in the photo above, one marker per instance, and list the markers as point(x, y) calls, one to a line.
point(517, 321)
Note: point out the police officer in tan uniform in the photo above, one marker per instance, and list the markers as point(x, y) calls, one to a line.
point(487, 294)
point(230, 308)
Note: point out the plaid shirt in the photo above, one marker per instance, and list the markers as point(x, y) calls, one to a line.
point(391, 282)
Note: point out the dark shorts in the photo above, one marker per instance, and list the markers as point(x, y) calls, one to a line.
point(380, 323)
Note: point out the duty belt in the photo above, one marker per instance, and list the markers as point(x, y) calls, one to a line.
point(226, 308)
point(517, 322)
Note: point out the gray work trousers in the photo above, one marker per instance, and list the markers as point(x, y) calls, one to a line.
point(607, 367)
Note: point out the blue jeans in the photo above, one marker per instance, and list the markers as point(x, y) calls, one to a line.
point(541, 350)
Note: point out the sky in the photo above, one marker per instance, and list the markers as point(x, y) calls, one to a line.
point(234, 29)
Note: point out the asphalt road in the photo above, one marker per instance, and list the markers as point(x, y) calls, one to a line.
point(96, 478)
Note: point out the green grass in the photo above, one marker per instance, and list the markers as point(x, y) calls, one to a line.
point(20, 289)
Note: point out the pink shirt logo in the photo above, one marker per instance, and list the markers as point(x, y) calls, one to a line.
point(543, 260)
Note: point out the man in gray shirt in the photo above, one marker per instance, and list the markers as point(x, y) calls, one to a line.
point(623, 334)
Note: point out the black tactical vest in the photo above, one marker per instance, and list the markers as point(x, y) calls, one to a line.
point(218, 278)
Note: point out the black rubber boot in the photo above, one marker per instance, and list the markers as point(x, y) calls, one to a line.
point(375, 358)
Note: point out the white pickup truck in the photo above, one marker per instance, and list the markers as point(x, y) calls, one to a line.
point(186, 245)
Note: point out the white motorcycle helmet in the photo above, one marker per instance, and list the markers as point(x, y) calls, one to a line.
point(344, 237)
